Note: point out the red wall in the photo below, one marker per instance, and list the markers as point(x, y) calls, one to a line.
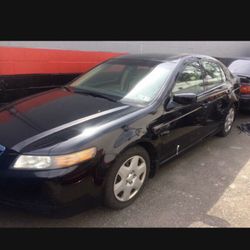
point(14, 61)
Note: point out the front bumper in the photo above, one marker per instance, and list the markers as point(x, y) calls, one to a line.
point(50, 189)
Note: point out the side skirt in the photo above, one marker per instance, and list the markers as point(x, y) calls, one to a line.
point(214, 132)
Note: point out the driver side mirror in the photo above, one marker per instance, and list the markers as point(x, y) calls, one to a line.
point(185, 98)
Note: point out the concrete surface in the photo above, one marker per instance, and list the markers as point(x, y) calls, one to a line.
point(208, 186)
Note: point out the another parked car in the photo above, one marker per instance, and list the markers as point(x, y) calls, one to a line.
point(241, 68)
point(104, 134)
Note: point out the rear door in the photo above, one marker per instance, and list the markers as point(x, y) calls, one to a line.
point(216, 95)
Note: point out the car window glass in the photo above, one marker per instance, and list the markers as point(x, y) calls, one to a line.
point(222, 74)
point(128, 82)
point(107, 76)
point(190, 80)
point(213, 74)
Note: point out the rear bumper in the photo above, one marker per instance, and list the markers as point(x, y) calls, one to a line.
point(244, 103)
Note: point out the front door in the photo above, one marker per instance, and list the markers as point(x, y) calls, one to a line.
point(182, 125)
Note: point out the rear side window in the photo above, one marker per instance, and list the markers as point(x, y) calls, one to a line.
point(190, 79)
point(214, 75)
point(222, 74)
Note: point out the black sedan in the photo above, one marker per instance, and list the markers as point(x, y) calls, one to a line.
point(106, 132)
point(241, 68)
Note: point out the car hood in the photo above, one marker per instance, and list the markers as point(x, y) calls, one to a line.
point(52, 116)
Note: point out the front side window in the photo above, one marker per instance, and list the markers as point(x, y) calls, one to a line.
point(190, 79)
point(214, 75)
point(135, 82)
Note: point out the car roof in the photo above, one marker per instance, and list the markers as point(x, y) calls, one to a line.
point(229, 60)
point(162, 57)
point(235, 58)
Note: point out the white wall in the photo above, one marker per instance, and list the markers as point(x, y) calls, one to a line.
point(213, 48)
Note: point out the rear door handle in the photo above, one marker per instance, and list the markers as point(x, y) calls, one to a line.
point(205, 105)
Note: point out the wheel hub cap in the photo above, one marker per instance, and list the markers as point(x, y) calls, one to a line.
point(130, 178)
point(229, 120)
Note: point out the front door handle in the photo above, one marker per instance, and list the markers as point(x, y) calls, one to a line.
point(164, 132)
point(161, 129)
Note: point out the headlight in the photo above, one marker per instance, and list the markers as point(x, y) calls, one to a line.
point(51, 162)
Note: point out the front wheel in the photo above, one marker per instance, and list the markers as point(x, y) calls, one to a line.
point(126, 178)
point(228, 122)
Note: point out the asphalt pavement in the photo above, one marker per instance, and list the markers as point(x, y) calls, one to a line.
point(208, 186)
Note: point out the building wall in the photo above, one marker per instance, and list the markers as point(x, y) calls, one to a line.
point(26, 71)
point(16, 61)
point(213, 48)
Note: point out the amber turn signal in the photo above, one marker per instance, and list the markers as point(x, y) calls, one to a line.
point(74, 158)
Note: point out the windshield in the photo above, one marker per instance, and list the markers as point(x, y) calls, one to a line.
point(240, 67)
point(135, 82)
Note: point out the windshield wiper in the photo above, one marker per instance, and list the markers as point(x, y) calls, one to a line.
point(67, 88)
point(95, 94)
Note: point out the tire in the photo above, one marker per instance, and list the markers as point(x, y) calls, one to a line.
point(125, 180)
point(228, 122)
